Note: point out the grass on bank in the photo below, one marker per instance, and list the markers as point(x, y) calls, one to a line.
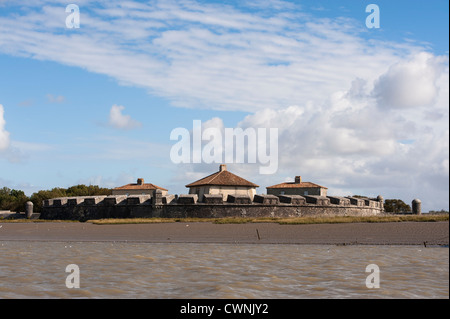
point(281, 221)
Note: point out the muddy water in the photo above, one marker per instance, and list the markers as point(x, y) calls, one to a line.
point(144, 270)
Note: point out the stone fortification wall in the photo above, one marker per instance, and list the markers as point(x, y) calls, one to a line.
point(210, 206)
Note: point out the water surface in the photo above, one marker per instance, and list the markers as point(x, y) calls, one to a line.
point(145, 270)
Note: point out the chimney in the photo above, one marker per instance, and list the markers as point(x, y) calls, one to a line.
point(298, 179)
point(222, 168)
point(140, 181)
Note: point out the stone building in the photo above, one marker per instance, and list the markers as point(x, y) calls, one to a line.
point(140, 188)
point(223, 183)
point(297, 188)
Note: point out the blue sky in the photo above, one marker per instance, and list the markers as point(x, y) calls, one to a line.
point(361, 111)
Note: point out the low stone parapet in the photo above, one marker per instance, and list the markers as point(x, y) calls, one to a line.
point(266, 199)
point(317, 200)
point(292, 199)
point(216, 199)
point(114, 200)
point(187, 199)
point(138, 199)
point(47, 202)
point(370, 203)
point(74, 201)
point(169, 199)
point(356, 201)
point(339, 200)
point(60, 201)
point(239, 199)
point(93, 200)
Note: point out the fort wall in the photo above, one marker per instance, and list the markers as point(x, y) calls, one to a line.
point(209, 206)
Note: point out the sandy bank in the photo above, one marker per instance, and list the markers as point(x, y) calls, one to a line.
point(403, 233)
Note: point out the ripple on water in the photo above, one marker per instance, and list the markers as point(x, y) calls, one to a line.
point(142, 270)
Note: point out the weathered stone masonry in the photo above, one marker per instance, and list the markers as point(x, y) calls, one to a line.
point(209, 206)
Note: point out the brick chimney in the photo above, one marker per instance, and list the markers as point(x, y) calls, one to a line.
point(298, 179)
point(140, 181)
point(222, 168)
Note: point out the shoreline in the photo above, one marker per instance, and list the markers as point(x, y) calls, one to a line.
point(403, 233)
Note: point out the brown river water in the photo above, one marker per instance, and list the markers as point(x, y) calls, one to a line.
point(177, 270)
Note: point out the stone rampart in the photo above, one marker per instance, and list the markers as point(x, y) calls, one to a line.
point(209, 206)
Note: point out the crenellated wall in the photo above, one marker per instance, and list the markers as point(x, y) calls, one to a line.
point(210, 206)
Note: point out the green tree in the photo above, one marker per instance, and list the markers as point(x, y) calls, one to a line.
point(73, 191)
point(38, 197)
point(15, 200)
point(396, 206)
point(4, 191)
point(5, 198)
point(83, 190)
point(12, 199)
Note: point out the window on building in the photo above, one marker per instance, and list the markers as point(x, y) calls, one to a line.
point(282, 193)
point(305, 193)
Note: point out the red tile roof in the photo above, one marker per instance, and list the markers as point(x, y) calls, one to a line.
point(222, 178)
point(297, 185)
point(139, 187)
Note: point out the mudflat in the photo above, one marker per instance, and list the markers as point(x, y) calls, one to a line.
point(400, 233)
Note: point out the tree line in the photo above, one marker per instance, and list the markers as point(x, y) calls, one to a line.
point(14, 200)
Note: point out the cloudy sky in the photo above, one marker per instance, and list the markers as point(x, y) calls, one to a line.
point(359, 110)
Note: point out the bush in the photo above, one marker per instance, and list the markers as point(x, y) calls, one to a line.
point(12, 199)
point(396, 206)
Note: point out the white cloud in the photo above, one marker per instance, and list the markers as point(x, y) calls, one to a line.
point(7, 148)
point(55, 98)
point(4, 134)
point(352, 146)
point(121, 121)
point(206, 55)
point(411, 83)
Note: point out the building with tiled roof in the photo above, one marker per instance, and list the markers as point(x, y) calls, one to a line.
point(139, 188)
point(297, 188)
point(222, 182)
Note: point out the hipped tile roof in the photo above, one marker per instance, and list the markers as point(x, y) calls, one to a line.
point(297, 185)
point(135, 186)
point(222, 178)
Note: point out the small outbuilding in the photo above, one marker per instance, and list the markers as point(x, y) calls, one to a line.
point(223, 183)
point(138, 188)
point(297, 188)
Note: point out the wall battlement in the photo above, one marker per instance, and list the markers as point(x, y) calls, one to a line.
point(209, 206)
